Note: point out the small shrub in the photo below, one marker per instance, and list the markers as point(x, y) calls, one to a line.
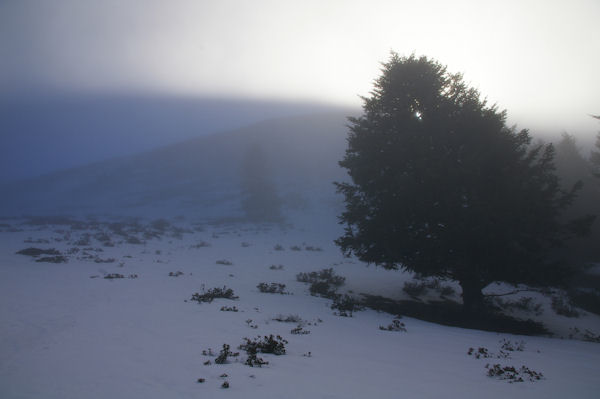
point(563, 307)
point(292, 318)
point(175, 274)
point(38, 251)
point(249, 323)
point(271, 344)
point(322, 289)
point(224, 354)
point(53, 259)
point(278, 247)
point(112, 276)
point(201, 244)
point(225, 385)
point(511, 374)
point(295, 248)
point(245, 244)
point(512, 346)
point(325, 275)
point(272, 288)
point(107, 260)
point(396, 325)
point(484, 353)
point(299, 331)
point(229, 309)
point(224, 262)
point(311, 248)
point(254, 361)
point(276, 267)
point(214, 293)
point(346, 305)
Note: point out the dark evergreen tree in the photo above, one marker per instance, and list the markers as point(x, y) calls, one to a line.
point(442, 187)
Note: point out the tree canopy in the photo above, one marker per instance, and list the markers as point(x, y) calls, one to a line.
point(442, 187)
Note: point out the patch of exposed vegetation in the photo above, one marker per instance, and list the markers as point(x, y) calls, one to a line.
point(214, 293)
point(38, 251)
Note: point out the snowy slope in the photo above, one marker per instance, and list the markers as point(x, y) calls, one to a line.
point(67, 332)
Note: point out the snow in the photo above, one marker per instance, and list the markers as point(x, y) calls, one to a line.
point(67, 335)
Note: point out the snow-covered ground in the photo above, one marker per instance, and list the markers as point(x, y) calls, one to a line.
point(68, 332)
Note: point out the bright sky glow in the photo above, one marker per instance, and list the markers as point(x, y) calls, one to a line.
point(538, 59)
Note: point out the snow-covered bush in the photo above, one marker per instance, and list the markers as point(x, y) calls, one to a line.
point(272, 288)
point(214, 293)
point(346, 305)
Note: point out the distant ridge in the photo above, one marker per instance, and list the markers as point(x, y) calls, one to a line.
point(201, 175)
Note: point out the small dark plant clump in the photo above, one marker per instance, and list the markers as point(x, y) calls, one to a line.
point(276, 267)
point(396, 325)
point(229, 309)
point(512, 374)
point(214, 293)
point(295, 248)
point(224, 354)
point(323, 283)
point(346, 305)
point(322, 289)
point(225, 385)
point(250, 324)
point(253, 360)
point(563, 307)
point(507, 345)
point(484, 353)
point(278, 247)
point(38, 251)
point(201, 244)
point(224, 262)
point(101, 260)
point(200, 380)
point(272, 288)
point(175, 274)
point(112, 276)
point(245, 244)
point(271, 344)
point(299, 331)
point(312, 248)
point(291, 318)
point(53, 259)
point(325, 275)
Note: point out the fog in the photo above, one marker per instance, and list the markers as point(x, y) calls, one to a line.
point(47, 132)
point(95, 86)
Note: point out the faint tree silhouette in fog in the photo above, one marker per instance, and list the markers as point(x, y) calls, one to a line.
point(572, 167)
point(442, 187)
point(260, 201)
point(595, 155)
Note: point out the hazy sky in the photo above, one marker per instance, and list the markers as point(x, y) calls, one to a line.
point(538, 59)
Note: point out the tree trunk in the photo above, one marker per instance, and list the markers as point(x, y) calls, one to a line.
point(472, 296)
